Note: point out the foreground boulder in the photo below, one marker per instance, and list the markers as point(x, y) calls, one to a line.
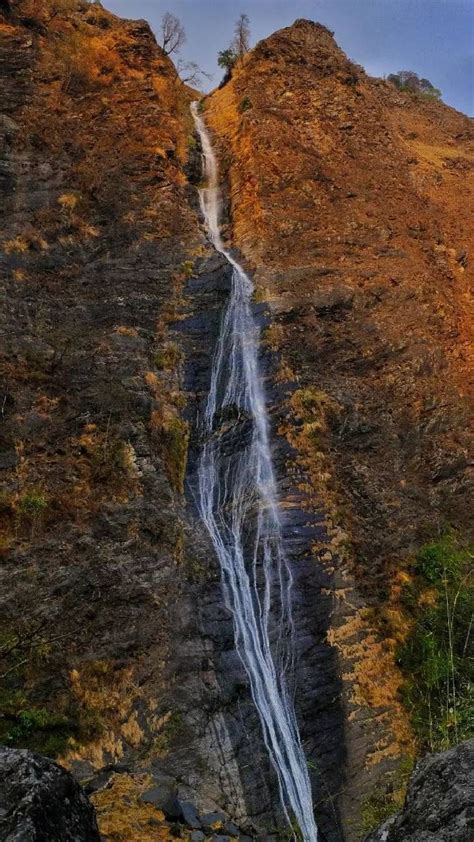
point(41, 802)
point(439, 806)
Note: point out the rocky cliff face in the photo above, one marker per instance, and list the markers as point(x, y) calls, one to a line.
point(98, 239)
point(117, 655)
point(350, 201)
point(439, 801)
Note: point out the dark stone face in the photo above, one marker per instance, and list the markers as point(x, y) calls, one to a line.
point(42, 802)
point(439, 801)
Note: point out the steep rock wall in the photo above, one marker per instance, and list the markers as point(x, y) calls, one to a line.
point(98, 238)
point(350, 203)
point(117, 655)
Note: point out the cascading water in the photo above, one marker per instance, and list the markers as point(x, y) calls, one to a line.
point(238, 504)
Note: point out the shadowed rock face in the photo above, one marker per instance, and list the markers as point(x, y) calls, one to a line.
point(439, 803)
point(41, 802)
point(97, 236)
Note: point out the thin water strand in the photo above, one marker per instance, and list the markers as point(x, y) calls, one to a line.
point(238, 504)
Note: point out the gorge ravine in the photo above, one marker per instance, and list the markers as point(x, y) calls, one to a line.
point(238, 505)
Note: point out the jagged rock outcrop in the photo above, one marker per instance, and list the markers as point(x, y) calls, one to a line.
point(41, 802)
point(439, 802)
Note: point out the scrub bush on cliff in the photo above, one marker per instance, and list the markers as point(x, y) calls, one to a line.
point(435, 655)
point(408, 80)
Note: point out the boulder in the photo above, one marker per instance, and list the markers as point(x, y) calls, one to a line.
point(163, 796)
point(213, 821)
point(439, 806)
point(189, 814)
point(41, 802)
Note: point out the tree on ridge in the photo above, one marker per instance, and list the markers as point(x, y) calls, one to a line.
point(238, 47)
point(173, 35)
point(408, 80)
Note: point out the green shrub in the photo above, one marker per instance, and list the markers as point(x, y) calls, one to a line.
point(245, 104)
point(175, 441)
point(434, 657)
point(32, 504)
point(409, 82)
point(168, 357)
point(40, 730)
point(227, 58)
point(31, 507)
point(51, 732)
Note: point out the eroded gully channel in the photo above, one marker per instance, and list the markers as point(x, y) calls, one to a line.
point(277, 718)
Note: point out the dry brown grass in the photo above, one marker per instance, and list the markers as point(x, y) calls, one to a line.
point(437, 154)
point(122, 817)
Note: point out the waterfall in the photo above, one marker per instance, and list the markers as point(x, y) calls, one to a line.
point(238, 503)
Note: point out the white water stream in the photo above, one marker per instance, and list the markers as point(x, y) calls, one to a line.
point(239, 507)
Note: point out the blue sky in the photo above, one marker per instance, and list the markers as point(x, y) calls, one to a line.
point(435, 38)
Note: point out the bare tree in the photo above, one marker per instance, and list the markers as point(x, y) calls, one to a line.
point(173, 35)
point(189, 73)
point(241, 42)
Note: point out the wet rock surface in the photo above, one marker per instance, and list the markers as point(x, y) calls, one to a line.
point(41, 802)
point(230, 734)
point(316, 684)
point(439, 804)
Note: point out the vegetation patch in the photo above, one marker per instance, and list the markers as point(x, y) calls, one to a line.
point(168, 357)
point(22, 511)
point(245, 104)
point(51, 726)
point(123, 816)
point(32, 503)
point(175, 436)
point(312, 411)
point(386, 799)
point(32, 714)
point(438, 601)
point(409, 82)
point(107, 462)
